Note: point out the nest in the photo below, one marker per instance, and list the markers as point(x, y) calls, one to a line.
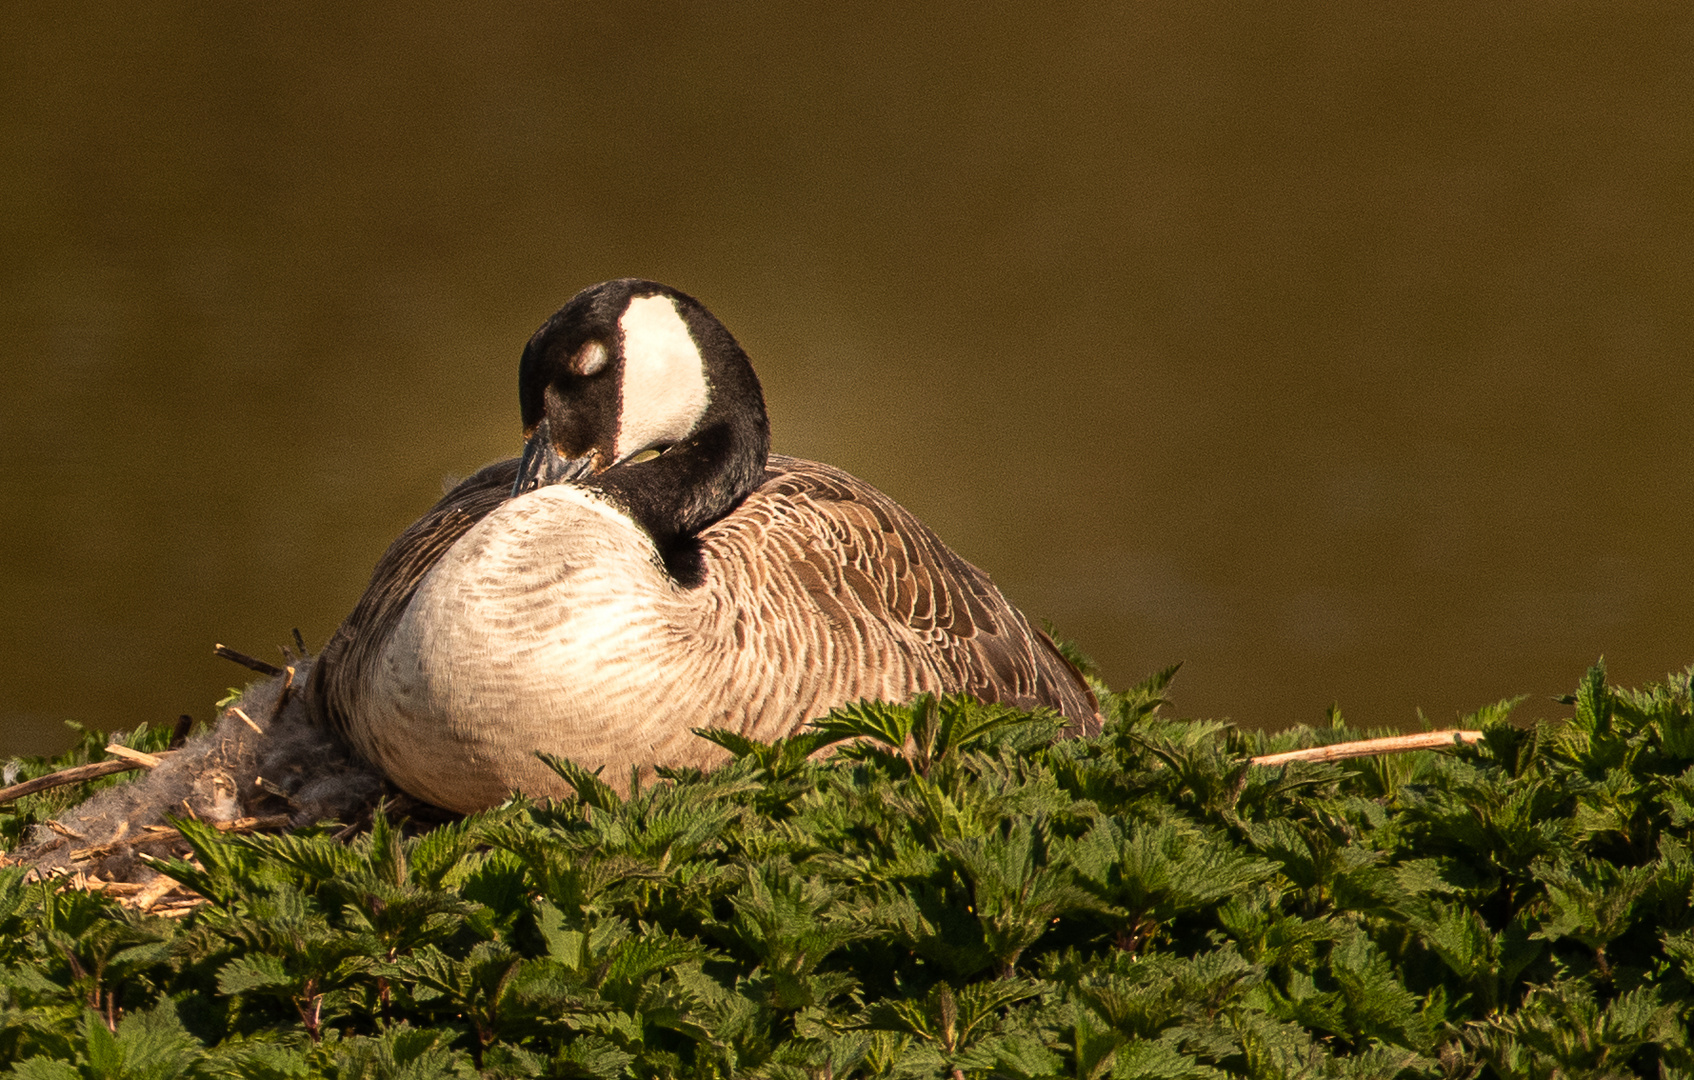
point(263, 765)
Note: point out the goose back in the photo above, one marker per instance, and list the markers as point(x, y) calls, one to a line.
point(841, 594)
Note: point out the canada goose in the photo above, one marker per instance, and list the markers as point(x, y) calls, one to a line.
point(648, 567)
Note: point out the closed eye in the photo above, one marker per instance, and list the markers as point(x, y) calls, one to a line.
point(590, 359)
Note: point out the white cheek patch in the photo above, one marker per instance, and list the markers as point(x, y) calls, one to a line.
point(664, 376)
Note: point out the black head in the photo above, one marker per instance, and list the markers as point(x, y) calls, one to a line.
point(635, 390)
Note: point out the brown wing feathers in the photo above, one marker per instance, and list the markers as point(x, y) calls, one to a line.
point(866, 561)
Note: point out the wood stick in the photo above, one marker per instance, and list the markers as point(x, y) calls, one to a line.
point(63, 829)
point(248, 720)
point(76, 774)
point(253, 824)
point(145, 760)
point(1393, 744)
point(239, 825)
point(157, 833)
point(246, 661)
point(100, 851)
point(152, 893)
point(282, 698)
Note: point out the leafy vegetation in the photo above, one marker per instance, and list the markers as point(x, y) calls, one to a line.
point(955, 893)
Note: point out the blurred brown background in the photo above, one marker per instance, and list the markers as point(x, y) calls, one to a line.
point(1344, 351)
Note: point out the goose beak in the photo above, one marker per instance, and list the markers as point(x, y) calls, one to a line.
point(542, 464)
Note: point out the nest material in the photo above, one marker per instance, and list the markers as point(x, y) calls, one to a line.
point(264, 764)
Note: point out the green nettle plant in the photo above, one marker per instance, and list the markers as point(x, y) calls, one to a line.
point(951, 891)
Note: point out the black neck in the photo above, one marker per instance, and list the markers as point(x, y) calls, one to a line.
point(692, 484)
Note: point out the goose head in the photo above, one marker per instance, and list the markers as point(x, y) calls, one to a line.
point(636, 391)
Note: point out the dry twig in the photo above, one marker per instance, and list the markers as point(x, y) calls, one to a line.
point(76, 774)
point(157, 833)
point(151, 893)
point(1393, 744)
point(282, 698)
point(246, 661)
point(245, 719)
point(141, 758)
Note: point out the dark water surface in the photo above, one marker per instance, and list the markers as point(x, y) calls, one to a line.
point(1343, 351)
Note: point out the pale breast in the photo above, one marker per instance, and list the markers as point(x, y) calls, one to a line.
point(542, 628)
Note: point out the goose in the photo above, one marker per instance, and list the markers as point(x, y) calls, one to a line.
point(647, 567)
